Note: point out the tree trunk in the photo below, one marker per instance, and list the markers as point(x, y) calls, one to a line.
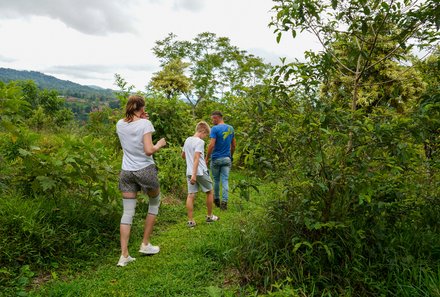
point(354, 101)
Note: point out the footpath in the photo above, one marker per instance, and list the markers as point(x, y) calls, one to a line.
point(192, 261)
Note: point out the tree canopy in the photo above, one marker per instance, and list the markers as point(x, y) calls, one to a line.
point(216, 68)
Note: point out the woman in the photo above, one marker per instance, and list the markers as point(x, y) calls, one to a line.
point(139, 172)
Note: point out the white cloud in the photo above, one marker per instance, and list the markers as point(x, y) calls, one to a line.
point(79, 71)
point(88, 41)
point(95, 71)
point(95, 17)
point(192, 5)
point(6, 59)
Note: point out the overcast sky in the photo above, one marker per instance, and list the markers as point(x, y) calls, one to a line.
point(88, 41)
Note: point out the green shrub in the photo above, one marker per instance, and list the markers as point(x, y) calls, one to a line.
point(53, 164)
point(171, 119)
point(60, 206)
point(172, 171)
point(351, 185)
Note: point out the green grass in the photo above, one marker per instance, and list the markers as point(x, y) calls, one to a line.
point(192, 262)
point(203, 261)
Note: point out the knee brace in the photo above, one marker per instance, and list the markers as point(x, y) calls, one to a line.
point(153, 205)
point(129, 210)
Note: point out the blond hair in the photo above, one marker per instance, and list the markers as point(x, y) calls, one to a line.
point(203, 127)
point(134, 103)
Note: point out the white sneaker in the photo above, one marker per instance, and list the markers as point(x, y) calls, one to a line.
point(212, 218)
point(149, 249)
point(123, 261)
point(191, 224)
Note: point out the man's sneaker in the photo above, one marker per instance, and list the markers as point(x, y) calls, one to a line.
point(123, 261)
point(212, 218)
point(224, 205)
point(217, 202)
point(191, 224)
point(149, 249)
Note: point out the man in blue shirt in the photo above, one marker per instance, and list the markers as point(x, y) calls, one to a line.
point(221, 147)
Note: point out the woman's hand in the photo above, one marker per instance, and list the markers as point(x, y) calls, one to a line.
point(161, 143)
point(149, 148)
point(145, 115)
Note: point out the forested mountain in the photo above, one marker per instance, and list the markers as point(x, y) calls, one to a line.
point(79, 98)
point(64, 87)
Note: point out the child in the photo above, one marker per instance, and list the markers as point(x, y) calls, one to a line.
point(197, 172)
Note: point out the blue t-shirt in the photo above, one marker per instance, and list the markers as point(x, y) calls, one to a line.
point(223, 134)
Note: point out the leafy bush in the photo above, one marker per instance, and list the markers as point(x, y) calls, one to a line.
point(354, 212)
point(172, 171)
point(52, 165)
point(171, 119)
point(59, 202)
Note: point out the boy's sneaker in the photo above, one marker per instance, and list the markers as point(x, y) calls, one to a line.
point(123, 261)
point(149, 249)
point(212, 218)
point(217, 202)
point(191, 224)
point(224, 205)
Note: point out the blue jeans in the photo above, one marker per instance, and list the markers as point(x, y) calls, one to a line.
point(220, 172)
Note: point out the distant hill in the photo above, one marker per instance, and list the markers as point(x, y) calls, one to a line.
point(64, 87)
point(79, 98)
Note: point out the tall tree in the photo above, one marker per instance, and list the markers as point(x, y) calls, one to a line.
point(363, 26)
point(171, 80)
point(217, 68)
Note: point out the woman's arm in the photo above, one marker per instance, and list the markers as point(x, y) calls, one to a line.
point(149, 148)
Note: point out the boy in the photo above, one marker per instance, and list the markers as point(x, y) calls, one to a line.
point(197, 172)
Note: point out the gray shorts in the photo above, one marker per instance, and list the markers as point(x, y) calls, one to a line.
point(203, 181)
point(144, 179)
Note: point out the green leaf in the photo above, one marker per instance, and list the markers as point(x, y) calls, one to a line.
point(328, 251)
point(298, 245)
point(279, 37)
point(46, 183)
point(24, 152)
point(364, 27)
point(70, 160)
point(367, 10)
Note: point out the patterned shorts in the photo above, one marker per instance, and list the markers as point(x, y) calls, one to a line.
point(144, 179)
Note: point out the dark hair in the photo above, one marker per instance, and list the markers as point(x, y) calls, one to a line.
point(217, 113)
point(134, 103)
